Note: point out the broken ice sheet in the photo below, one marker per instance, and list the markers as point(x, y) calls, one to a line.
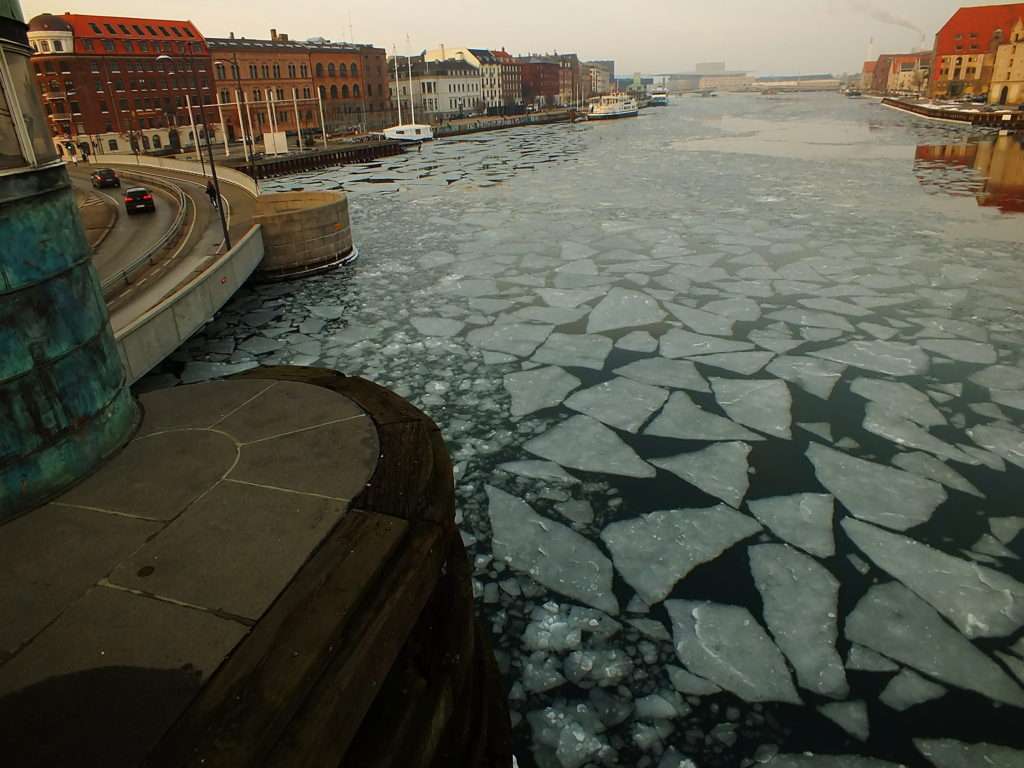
point(947, 753)
point(979, 601)
point(620, 403)
point(800, 599)
point(719, 470)
point(683, 419)
point(740, 309)
point(745, 363)
point(677, 343)
point(819, 377)
point(437, 326)
point(884, 422)
point(820, 428)
point(654, 551)
point(908, 689)
point(519, 339)
point(690, 684)
point(700, 321)
point(1001, 439)
point(865, 660)
point(923, 465)
point(1006, 529)
point(1000, 377)
point(637, 341)
point(851, 716)
point(586, 444)
point(552, 554)
point(567, 298)
point(890, 357)
point(875, 492)
point(763, 404)
point(895, 622)
point(902, 399)
point(812, 319)
point(662, 372)
point(726, 645)
point(623, 308)
point(963, 351)
point(538, 389)
point(575, 350)
point(803, 520)
point(539, 470)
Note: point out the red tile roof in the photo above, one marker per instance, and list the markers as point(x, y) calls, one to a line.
point(89, 26)
point(982, 21)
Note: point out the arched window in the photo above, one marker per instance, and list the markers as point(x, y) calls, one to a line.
point(334, 91)
point(342, 70)
point(344, 91)
point(330, 69)
point(369, 89)
point(323, 93)
point(319, 70)
point(354, 70)
point(355, 91)
point(256, 95)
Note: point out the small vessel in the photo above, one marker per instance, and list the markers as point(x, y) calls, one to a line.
point(659, 97)
point(411, 132)
point(853, 93)
point(613, 106)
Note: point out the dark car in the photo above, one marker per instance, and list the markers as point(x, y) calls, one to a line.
point(105, 177)
point(138, 199)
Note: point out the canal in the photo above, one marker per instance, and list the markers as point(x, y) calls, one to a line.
point(735, 395)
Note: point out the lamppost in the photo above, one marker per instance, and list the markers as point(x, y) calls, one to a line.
point(249, 139)
point(206, 134)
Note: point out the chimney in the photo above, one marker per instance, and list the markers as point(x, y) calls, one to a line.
point(283, 38)
point(273, 35)
point(231, 35)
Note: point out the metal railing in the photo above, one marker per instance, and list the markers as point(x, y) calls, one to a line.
point(148, 259)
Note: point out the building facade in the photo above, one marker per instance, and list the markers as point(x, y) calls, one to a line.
point(966, 48)
point(600, 79)
point(104, 89)
point(909, 73)
point(511, 81)
point(867, 75)
point(1007, 86)
point(441, 90)
point(541, 81)
point(486, 62)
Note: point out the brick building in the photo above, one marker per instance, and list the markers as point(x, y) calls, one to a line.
point(966, 48)
point(511, 81)
point(541, 78)
point(103, 88)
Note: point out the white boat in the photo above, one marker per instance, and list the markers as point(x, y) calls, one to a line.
point(613, 106)
point(413, 132)
point(659, 97)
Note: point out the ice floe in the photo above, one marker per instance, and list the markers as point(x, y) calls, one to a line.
point(575, 350)
point(701, 321)
point(688, 683)
point(963, 351)
point(819, 377)
point(924, 465)
point(725, 644)
point(662, 372)
point(739, 309)
point(520, 339)
point(908, 689)
point(901, 399)
point(979, 601)
point(568, 298)
point(800, 606)
point(677, 343)
point(813, 319)
point(624, 308)
point(875, 492)
point(865, 660)
point(851, 716)
point(619, 402)
point(552, 554)
point(803, 520)
point(897, 623)
point(538, 389)
point(719, 470)
point(584, 443)
point(654, 551)
point(884, 422)
point(437, 326)
point(763, 404)
point(637, 341)
point(947, 753)
point(1000, 377)
point(1001, 439)
point(746, 363)
point(1006, 529)
point(683, 419)
point(539, 470)
point(890, 357)
point(820, 428)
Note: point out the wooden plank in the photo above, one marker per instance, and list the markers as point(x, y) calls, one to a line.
point(321, 732)
point(249, 701)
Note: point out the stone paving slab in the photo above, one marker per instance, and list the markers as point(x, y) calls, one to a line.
point(126, 593)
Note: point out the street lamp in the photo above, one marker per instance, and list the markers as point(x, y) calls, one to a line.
point(209, 148)
point(250, 139)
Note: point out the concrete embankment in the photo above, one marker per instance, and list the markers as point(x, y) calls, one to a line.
point(1003, 120)
point(498, 122)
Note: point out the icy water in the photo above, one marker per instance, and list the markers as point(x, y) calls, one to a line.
point(734, 393)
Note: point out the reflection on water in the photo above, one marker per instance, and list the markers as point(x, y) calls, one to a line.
point(991, 171)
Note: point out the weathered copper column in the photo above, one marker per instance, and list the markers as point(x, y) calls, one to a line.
point(64, 400)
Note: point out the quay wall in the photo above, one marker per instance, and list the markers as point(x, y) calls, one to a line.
point(1008, 121)
point(496, 123)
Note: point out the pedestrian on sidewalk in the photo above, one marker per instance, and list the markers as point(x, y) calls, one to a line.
point(211, 192)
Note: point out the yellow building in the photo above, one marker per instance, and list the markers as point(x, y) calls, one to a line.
point(1008, 70)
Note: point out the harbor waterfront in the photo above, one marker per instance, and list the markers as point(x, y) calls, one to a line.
point(734, 395)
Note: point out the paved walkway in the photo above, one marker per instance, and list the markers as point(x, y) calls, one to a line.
point(122, 597)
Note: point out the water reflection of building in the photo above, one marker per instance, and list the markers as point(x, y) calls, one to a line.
point(1000, 163)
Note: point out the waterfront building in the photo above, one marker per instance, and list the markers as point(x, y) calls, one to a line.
point(1007, 86)
point(104, 90)
point(570, 79)
point(441, 90)
point(902, 73)
point(793, 83)
point(511, 81)
point(600, 78)
point(867, 75)
point(966, 47)
point(541, 80)
point(709, 80)
point(489, 65)
point(357, 94)
point(608, 65)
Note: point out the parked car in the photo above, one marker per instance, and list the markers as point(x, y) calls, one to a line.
point(104, 177)
point(138, 199)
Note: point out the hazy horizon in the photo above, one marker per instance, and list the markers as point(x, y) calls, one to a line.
point(791, 37)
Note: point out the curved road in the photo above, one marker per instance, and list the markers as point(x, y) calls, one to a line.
point(131, 235)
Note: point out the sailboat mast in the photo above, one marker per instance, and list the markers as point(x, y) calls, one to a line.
point(412, 105)
point(398, 87)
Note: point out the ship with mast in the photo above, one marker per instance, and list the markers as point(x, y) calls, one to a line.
point(411, 132)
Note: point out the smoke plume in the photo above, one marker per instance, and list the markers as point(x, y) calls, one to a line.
point(883, 16)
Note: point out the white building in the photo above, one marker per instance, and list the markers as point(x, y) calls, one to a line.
point(489, 65)
point(441, 90)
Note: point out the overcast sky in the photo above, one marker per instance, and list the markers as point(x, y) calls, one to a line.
point(651, 36)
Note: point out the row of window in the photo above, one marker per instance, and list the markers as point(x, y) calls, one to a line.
point(155, 84)
point(114, 66)
point(138, 29)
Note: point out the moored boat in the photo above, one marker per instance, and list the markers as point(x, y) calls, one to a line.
point(613, 106)
point(659, 97)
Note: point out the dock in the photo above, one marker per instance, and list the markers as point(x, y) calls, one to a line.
point(299, 162)
point(1007, 120)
